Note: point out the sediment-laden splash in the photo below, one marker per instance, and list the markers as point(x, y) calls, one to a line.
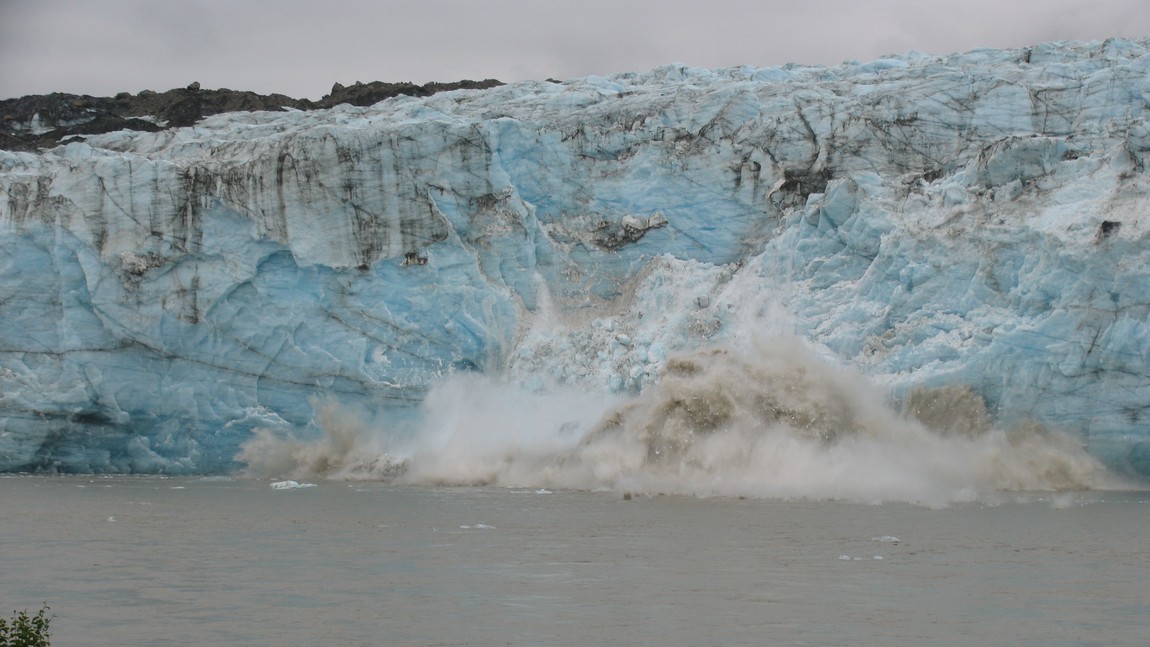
point(767, 420)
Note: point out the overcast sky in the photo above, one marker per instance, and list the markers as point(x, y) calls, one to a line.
point(301, 47)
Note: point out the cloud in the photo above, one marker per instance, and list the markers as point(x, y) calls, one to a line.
point(300, 48)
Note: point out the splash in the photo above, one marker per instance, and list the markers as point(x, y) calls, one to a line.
point(774, 420)
point(766, 419)
point(346, 450)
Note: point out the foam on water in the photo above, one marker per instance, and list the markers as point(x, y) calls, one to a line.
point(768, 418)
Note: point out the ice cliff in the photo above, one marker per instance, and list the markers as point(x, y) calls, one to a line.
point(976, 221)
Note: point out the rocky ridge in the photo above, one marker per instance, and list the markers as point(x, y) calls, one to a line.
point(41, 121)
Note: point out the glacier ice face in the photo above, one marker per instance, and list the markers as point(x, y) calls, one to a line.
point(975, 220)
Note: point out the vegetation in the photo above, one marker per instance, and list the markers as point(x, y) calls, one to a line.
point(25, 630)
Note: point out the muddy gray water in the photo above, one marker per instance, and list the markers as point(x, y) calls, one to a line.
point(149, 561)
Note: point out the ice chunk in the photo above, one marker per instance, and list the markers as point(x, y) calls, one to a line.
point(291, 485)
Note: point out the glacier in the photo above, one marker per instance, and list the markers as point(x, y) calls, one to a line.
point(974, 222)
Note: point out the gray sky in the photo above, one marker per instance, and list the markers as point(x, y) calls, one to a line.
point(301, 47)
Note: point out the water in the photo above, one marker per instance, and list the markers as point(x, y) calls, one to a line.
point(150, 561)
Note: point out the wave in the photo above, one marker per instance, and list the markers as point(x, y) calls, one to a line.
point(766, 419)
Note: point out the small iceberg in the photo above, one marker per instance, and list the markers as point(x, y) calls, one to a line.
point(886, 539)
point(291, 485)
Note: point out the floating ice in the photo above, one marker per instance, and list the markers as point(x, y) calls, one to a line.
point(291, 485)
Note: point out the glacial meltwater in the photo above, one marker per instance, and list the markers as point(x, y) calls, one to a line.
point(188, 561)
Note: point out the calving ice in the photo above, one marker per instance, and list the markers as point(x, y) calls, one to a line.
point(673, 280)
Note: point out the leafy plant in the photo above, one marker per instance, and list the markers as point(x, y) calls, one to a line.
point(25, 630)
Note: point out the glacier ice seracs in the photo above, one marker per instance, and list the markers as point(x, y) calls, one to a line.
point(975, 221)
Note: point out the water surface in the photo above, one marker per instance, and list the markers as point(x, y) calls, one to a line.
point(151, 561)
